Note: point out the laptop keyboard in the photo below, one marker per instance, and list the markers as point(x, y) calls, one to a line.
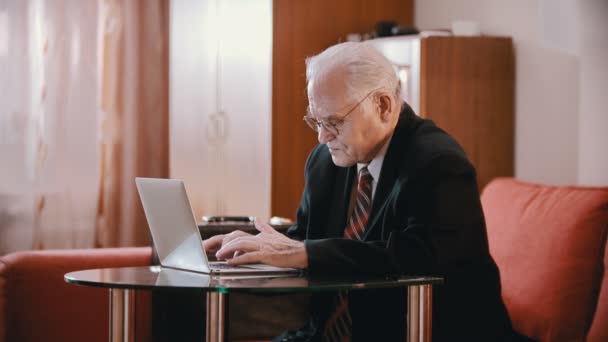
point(222, 266)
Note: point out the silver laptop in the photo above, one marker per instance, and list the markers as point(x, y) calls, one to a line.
point(175, 232)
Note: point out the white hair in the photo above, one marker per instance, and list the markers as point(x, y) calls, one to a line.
point(366, 69)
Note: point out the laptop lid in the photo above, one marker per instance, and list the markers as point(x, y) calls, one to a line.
point(175, 232)
point(172, 224)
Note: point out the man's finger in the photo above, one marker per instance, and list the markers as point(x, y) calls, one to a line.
point(243, 245)
point(247, 258)
point(234, 235)
point(230, 244)
point(263, 227)
point(213, 243)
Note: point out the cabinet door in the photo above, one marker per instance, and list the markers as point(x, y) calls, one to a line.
point(467, 88)
point(220, 105)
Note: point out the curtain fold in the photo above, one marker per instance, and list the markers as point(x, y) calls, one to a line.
point(134, 132)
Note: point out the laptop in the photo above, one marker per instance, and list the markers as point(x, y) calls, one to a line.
point(175, 232)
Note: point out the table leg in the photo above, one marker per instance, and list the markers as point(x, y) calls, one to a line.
point(217, 315)
point(122, 315)
point(419, 313)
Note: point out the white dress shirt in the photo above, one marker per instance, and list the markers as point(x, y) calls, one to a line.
point(374, 168)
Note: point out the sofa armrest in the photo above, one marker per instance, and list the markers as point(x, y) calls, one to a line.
point(36, 304)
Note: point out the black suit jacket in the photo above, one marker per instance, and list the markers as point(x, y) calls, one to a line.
point(426, 219)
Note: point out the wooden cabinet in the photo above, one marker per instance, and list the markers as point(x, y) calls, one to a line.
point(467, 88)
point(464, 84)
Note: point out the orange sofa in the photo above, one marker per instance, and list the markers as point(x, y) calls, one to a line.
point(549, 243)
point(36, 304)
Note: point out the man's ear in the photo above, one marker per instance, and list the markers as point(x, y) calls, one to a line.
point(386, 107)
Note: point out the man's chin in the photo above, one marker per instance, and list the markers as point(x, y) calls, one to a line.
point(342, 161)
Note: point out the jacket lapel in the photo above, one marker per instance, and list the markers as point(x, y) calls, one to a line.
point(341, 201)
point(390, 167)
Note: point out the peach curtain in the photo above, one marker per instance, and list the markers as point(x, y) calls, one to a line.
point(134, 122)
point(48, 118)
point(83, 110)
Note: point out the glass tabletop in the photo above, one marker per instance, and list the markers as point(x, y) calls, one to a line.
point(156, 277)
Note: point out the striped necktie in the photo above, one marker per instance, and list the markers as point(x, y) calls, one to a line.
point(338, 327)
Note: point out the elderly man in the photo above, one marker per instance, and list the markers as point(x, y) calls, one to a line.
point(386, 193)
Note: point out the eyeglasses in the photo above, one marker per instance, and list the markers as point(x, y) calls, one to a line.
point(332, 125)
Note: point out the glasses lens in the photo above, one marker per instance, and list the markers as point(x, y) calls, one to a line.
point(316, 125)
point(311, 123)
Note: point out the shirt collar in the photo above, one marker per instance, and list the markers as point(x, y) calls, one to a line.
point(375, 165)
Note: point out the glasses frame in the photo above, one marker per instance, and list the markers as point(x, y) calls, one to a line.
point(333, 127)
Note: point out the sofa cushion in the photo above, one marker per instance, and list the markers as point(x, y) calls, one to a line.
point(548, 242)
point(599, 327)
point(36, 304)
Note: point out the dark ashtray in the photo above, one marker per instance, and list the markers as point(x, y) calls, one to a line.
point(213, 225)
point(228, 220)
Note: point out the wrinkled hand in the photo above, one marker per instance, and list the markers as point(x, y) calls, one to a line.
point(268, 247)
point(214, 243)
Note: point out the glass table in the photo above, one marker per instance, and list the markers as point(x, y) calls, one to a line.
point(122, 282)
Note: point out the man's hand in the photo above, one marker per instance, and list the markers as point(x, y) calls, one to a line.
point(214, 243)
point(268, 247)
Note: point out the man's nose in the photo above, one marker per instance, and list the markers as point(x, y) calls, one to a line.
point(324, 135)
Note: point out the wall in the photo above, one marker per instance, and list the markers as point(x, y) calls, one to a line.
point(560, 79)
point(593, 92)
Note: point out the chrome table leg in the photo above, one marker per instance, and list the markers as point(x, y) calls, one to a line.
point(217, 315)
point(419, 313)
point(122, 315)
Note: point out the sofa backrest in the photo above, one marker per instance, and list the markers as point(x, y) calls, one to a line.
point(36, 304)
point(549, 243)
